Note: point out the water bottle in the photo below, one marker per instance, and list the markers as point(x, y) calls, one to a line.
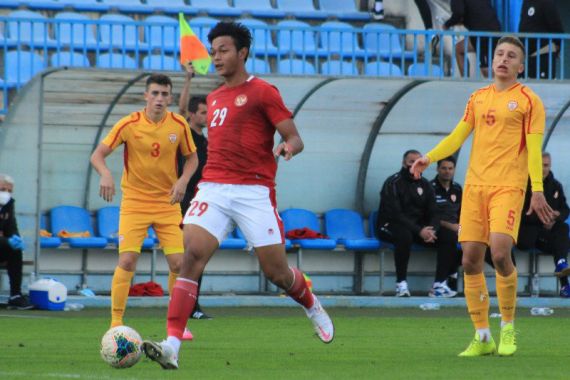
point(495, 315)
point(541, 311)
point(74, 307)
point(429, 306)
point(535, 291)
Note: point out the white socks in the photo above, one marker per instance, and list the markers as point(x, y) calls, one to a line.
point(174, 342)
point(484, 334)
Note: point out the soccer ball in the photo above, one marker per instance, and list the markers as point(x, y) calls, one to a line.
point(121, 347)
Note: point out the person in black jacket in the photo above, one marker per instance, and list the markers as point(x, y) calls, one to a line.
point(475, 15)
point(406, 215)
point(11, 244)
point(541, 16)
point(553, 237)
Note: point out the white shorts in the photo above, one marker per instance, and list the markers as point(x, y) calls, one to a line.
point(218, 208)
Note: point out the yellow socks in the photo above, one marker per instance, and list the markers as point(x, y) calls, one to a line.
point(507, 296)
point(119, 294)
point(171, 280)
point(477, 298)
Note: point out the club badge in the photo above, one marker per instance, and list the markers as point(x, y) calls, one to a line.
point(240, 100)
point(420, 191)
point(453, 198)
point(172, 138)
point(556, 195)
point(512, 105)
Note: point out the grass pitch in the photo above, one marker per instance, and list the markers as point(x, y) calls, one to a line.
point(261, 343)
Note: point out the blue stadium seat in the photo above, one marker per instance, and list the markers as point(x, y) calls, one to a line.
point(215, 8)
point(161, 32)
point(233, 242)
point(4, 41)
point(202, 26)
point(77, 33)
point(346, 226)
point(29, 28)
point(296, 218)
point(48, 242)
point(258, 8)
point(257, 66)
point(295, 66)
point(75, 220)
point(86, 5)
point(340, 38)
point(129, 6)
point(108, 226)
point(301, 9)
point(48, 5)
point(70, 59)
point(380, 40)
point(116, 61)
point(422, 69)
point(382, 69)
point(160, 62)
point(9, 4)
point(171, 6)
point(300, 39)
point(336, 67)
point(21, 66)
point(344, 10)
point(262, 43)
point(119, 31)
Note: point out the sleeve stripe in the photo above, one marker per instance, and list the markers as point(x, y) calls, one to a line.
point(122, 127)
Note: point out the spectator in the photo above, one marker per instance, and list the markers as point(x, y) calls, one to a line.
point(448, 203)
point(423, 6)
point(406, 215)
point(550, 237)
point(11, 244)
point(475, 15)
point(541, 16)
point(195, 111)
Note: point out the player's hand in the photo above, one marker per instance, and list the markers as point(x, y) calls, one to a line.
point(177, 192)
point(538, 204)
point(107, 187)
point(548, 226)
point(419, 166)
point(283, 149)
point(190, 72)
point(428, 234)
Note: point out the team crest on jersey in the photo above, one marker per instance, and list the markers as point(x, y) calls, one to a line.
point(172, 138)
point(270, 231)
point(420, 191)
point(240, 100)
point(556, 195)
point(512, 105)
point(531, 11)
point(453, 198)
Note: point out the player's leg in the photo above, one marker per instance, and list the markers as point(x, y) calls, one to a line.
point(461, 49)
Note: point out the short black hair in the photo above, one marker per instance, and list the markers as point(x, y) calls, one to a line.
point(161, 79)
point(237, 31)
point(448, 159)
point(411, 151)
point(194, 102)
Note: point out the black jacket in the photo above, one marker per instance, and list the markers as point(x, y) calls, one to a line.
point(201, 143)
point(540, 16)
point(554, 194)
point(475, 15)
point(407, 201)
point(448, 202)
point(8, 225)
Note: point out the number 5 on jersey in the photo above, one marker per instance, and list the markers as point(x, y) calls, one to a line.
point(219, 117)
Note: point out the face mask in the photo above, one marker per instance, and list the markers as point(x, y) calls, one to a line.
point(5, 197)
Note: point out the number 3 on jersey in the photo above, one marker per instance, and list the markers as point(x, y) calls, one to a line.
point(219, 117)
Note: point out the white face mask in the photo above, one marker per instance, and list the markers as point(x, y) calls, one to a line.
point(5, 197)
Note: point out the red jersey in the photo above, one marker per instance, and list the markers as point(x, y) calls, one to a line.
point(241, 130)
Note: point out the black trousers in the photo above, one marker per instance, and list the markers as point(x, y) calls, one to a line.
point(448, 257)
point(13, 259)
point(554, 241)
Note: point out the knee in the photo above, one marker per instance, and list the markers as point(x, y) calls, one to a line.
point(470, 264)
point(502, 261)
point(128, 261)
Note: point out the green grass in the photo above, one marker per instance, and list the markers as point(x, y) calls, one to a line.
point(252, 343)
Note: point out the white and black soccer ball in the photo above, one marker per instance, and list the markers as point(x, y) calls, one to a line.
point(121, 347)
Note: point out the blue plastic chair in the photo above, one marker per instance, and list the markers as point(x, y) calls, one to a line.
point(340, 38)
point(295, 218)
point(47, 5)
point(382, 69)
point(108, 226)
point(302, 9)
point(161, 32)
point(171, 6)
point(262, 43)
point(336, 67)
point(129, 6)
point(70, 59)
point(77, 33)
point(344, 10)
point(233, 242)
point(48, 242)
point(21, 66)
point(257, 66)
point(119, 31)
point(202, 26)
point(300, 39)
point(347, 228)
point(160, 62)
point(115, 61)
point(29, 28)
point(86, 5)
point(75, 220)
point(295, 66)
point(215, 8)
point(422, 69)
point(259, 8)
point(379, 40)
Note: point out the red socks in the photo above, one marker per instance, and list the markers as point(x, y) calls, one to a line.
point(299, 291)
point(181, 305)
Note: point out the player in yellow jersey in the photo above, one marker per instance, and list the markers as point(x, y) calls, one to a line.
point(150, 184)
point(507, 120)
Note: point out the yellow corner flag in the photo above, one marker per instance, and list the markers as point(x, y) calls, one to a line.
point(192, 49)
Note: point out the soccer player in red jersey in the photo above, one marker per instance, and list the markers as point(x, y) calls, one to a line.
point(238, 188)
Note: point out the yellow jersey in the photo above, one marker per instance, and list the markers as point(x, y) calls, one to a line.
point(500, 121)
point(150, 157)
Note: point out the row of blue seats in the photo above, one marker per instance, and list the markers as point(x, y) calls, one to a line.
point(78, 32)
point(344, 229)
point(275, 9)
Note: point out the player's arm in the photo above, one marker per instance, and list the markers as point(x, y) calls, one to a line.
point(179, 189)
point(538, 202)
point(106, 184)
point(292, 143)
point(185, 94)
point(445, 148)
